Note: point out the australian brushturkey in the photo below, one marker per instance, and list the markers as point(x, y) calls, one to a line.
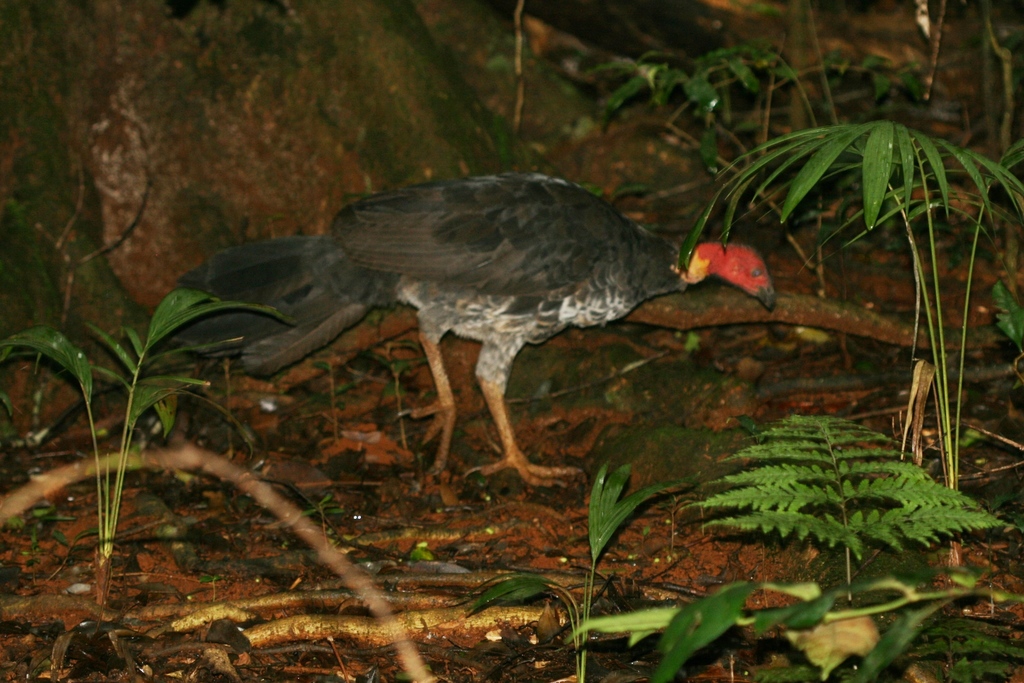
point(506, 260)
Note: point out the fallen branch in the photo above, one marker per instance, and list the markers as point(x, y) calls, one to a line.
point(189, 457)
point(437, 623)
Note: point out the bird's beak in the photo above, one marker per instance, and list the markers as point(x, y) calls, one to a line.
point(766, 295)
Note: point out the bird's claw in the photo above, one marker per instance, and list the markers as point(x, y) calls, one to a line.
point(443, 424)
point(435, 428)
point(534, 475)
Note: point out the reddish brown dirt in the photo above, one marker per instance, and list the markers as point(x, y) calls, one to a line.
point(358, 471)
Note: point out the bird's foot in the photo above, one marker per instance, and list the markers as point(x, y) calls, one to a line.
point(535, 475)
point(443, 424)
point(436, 425)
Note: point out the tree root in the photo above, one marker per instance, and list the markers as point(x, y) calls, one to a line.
point(714, 306)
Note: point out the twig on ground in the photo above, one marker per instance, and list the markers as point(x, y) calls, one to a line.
point(190, 457)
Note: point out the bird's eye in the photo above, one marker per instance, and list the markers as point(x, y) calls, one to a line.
point(756, 272)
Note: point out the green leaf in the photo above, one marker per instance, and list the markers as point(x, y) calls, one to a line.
point(784, 72)
point(133, 337)
point(182, 306)
point(874, 62)
point(604, 512)
point(697, 625)
point(516, 588)
point(931, 153)
point(968, 161)
point(5, 400)
point(166, 411)
point(881, 84)
point(174, 381)
point(837, 140)
point(709, 149)
point(639, 624)
point(913, 85)
point(799, 615)
point(893, 643)
point(997, 171)
point(421, 553)
point(835, 61)
point(789, 148)
point(1011, 320)
point(607, 512)
point(113, 376)
point(1014, 155)
point(144, 397)
point(113, 345)
point(150, 391)
point(744, 74)
point(876, 169)
point(625, 92)
point(700, 91)
point(667, 84)
point(688, 245)
point(176, 309)
point(55, 346)
point(806, 591)
point(908, 162)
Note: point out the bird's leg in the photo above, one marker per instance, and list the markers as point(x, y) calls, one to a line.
point(443, 409)
point(536, 475)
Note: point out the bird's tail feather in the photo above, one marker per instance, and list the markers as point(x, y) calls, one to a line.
point(309, 279)
point(271, 353)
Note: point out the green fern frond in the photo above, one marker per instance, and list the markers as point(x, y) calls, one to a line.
point(875, 527)
point(968, 636)
point(968, 671)
point(800, 451)
point(826, 529)
point(779, 475)
point(981, 651)
point(901, 469)
point(840, 484)
point(779, 493)
point(927, 525)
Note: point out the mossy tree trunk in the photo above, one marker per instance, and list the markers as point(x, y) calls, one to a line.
point(171, 137)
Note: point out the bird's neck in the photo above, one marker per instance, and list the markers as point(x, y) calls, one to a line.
point(659, 275)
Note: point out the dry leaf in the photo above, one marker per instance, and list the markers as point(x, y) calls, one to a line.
point(828, 645)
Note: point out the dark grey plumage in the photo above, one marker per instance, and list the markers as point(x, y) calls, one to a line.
point(506, 260)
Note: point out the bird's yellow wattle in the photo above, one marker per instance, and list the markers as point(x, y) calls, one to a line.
point(698, 269)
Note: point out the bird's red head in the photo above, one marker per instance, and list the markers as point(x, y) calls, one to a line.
point(736, 264)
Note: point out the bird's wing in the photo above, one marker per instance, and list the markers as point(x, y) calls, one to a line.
point(511, 234)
